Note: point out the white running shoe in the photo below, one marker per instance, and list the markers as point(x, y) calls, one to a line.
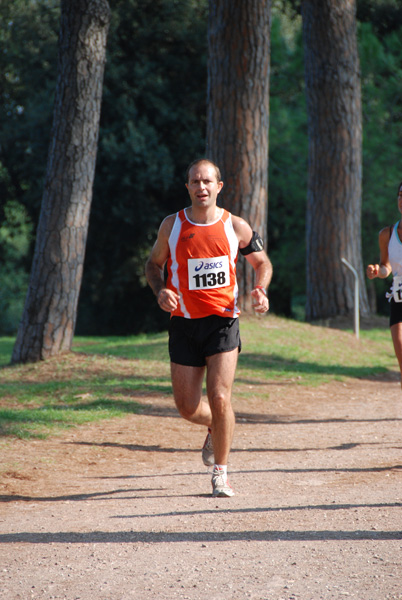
point(208, 451)
point(220, 484)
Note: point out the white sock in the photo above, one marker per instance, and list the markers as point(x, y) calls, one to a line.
point(223, 468)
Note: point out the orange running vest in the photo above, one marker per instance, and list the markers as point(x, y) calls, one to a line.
point(202, 267)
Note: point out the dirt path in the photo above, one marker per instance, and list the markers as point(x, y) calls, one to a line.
point(122, 510)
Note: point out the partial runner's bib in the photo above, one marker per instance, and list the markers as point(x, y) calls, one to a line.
point(202, 267)
point(396, 290)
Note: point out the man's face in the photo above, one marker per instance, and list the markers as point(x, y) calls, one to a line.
point(203, 186)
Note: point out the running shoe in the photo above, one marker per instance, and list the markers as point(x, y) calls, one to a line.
point(220, 484)
point(208, 451)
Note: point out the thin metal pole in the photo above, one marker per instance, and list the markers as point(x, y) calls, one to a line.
point(356, 276)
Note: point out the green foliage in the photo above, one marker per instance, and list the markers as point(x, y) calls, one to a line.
point(28, 62)
point(385, 16)
point(15, 237)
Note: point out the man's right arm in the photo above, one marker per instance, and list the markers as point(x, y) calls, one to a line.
point(383, 269)
point(154, 267)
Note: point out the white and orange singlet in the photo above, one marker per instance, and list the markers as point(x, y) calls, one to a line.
point(202, 267)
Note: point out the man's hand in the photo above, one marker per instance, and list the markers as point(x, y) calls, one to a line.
point(372, 271)
point(381, 271)
point(259, 301)
point(167, 299)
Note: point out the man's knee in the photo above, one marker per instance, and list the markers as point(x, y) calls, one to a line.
point(220, 403)
point(186, 413)
point(187, 410)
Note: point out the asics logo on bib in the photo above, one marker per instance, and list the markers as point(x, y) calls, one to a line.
point(211, 265)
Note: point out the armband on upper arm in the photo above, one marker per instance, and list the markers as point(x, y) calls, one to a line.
point(256, 245)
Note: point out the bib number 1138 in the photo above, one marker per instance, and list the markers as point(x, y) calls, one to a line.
point(209, 279)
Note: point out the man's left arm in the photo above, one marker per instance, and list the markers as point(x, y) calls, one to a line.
point(250, 244)
point(263, 275)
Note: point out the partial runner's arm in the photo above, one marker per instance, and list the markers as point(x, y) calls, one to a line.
point(383, 269)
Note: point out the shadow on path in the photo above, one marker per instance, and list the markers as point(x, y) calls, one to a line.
point(134, 537)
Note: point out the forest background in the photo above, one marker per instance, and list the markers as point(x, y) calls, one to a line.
point(153, 124)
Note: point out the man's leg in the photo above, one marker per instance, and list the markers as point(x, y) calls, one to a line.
point(187, 391)
point(396, 332)
point(221, 370)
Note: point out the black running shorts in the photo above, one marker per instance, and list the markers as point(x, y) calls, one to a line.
point(395, 312)
point(191, 340)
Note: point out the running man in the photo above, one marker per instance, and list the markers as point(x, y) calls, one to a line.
point(199, 245)
point(390, 245)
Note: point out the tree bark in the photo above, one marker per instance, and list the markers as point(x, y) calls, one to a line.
point(238, 113)
point(49, 317)
point(333, 227)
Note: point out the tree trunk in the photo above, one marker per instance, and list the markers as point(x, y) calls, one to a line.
point(238, 113)
point(49, 317)
point(333, 227)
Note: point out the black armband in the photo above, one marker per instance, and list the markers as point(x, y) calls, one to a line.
point(256, 245)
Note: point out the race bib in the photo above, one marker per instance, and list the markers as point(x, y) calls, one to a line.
point(208, 273)
point(397, 288)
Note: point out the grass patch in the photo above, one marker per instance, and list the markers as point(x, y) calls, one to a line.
point(139, 347)
point(108, 377)
point(40, 422)
point(102, 378)
point(6, 349)
point(282, 349)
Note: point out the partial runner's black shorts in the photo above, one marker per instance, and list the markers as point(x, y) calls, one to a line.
point(192, 340)
point(395, 312)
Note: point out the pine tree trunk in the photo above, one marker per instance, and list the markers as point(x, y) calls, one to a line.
point(49, 317)
point(333, 227)
point(238, 113)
